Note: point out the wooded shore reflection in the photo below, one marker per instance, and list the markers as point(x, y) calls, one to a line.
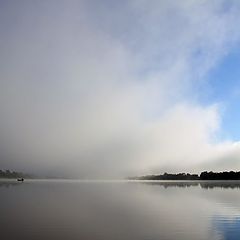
point(204, 184)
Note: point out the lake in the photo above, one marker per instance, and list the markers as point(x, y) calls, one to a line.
point(92, 210)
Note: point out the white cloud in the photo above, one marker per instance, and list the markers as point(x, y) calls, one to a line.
point(83, 96)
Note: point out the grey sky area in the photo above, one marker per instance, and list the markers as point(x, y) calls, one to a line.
point(110, 88)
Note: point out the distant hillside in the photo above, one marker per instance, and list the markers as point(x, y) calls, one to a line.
point(13, 174)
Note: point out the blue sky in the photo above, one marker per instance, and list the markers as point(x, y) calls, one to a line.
point(223, 85)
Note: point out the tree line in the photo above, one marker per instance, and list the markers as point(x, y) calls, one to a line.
point(220, 175)
point(187, 176)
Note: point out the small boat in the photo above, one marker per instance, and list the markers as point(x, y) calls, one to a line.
point(20, 179)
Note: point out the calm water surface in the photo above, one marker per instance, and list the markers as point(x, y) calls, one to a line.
point(120, 210)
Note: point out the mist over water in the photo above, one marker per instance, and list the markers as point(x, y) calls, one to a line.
point(120, 210)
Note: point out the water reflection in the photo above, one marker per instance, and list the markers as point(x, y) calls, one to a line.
point(229, 229)
point(219, 184)
point(7, 184)
point(202, 184)
point(120, 210)
point(167, 184)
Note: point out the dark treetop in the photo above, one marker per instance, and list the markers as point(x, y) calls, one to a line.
point(186, 176)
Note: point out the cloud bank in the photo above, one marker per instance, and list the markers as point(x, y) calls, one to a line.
point(93, 88)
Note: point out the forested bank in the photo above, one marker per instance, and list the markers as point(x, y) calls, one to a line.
point(231, 175)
